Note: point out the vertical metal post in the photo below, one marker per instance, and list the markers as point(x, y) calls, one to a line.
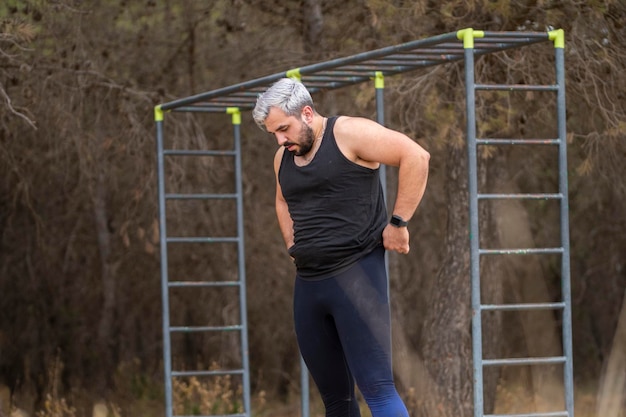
point(379, 84)
point(304, 387)
point(167, 361)
point(304, 371)
point(568, 374)
point(236, 120)
point(467, 35)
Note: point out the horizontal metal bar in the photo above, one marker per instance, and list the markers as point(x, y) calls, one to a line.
point(202, 240)
point(194, 329)
point(191, 152)
point(200, 109)
point(313, 85)
point(207, 373)
point(331, 75)
point(232, 100)
point(310, 69)
point(199, 196)
point(322, 80)
point(499, 141)
point(523, 36)
point(370, 68)
point(528, 251)
point(524, 361)
point(441, 49)
point(525, 306)
point(551, 196)
point(546, 414)
point(222, 104)
point(214, 108)
point(204, 284)
point(516, 87)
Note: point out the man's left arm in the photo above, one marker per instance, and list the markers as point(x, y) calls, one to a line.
point(412, 179)
point(365, 141)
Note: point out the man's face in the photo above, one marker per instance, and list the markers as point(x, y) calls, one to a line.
point(290, 131)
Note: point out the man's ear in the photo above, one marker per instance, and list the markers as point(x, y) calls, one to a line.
point(307, 114)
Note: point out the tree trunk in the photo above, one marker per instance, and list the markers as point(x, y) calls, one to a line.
point(446, 338)
point(612, 391)
point(538, 328)
point(107, 271)
point(313, 22)
point(492, 273)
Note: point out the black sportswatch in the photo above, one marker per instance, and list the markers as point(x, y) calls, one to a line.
point(398, 221)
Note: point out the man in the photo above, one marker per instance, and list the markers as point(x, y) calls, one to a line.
point(332, 216)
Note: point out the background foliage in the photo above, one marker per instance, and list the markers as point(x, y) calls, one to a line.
point(80, 305)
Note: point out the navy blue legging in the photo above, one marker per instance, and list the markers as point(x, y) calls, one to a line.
point(343, 328)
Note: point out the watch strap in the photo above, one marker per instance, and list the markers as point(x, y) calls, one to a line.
point(398, 221)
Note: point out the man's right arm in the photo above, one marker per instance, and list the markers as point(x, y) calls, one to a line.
point(282, 210)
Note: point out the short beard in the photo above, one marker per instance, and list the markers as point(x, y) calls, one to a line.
point(305, 140)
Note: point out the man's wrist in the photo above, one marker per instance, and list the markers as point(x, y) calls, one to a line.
point(398, 221)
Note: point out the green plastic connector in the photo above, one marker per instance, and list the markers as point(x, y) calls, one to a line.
point(235, 113)
point(379, 80)
point(558, 37)
point(158, 113)
point(294, 73)
point(467, 36)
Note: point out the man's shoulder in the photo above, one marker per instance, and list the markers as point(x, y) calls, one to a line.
point(347, 124)
point(278, 157)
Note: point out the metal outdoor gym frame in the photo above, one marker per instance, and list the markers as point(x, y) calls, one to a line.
point(374, 65)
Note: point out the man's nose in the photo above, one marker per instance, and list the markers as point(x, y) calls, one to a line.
point(280, 138)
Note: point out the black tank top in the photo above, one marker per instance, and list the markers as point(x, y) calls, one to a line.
point(337, 209)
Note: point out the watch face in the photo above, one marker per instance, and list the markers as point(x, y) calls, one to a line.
point(397, 221)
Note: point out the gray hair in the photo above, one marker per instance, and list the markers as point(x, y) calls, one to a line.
point(288, 95)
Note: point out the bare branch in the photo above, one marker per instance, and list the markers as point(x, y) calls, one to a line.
point(15, 112)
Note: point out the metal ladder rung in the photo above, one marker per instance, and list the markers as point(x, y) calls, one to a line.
point(546, 414)
point(202, 240)
point(524, 361)
point(516, 87)
point(525, 306)
point(540, 196)
point(199, 196)
point(527, 251)
point(500, 141)
point(181, 152)
point(191, 329)
point(204, 284)
point(208, 373)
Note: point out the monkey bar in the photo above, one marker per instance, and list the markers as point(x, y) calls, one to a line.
point(465, 44)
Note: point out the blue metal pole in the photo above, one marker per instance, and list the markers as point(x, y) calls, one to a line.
point(304, 386)
point(558, 37)
point(243, 311)
point(477, 354)
point(379, 83)
point(167, 357)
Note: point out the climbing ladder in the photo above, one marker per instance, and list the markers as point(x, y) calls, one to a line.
point(168, 286)
point(356, 69)
point(476, 252)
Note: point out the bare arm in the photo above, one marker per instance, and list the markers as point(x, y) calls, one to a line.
point(282, 211)
point(367, 143)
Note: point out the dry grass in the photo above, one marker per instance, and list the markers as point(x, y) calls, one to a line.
point(200, 397)
point(221, 395)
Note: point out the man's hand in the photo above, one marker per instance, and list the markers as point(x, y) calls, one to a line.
point(396, 239)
